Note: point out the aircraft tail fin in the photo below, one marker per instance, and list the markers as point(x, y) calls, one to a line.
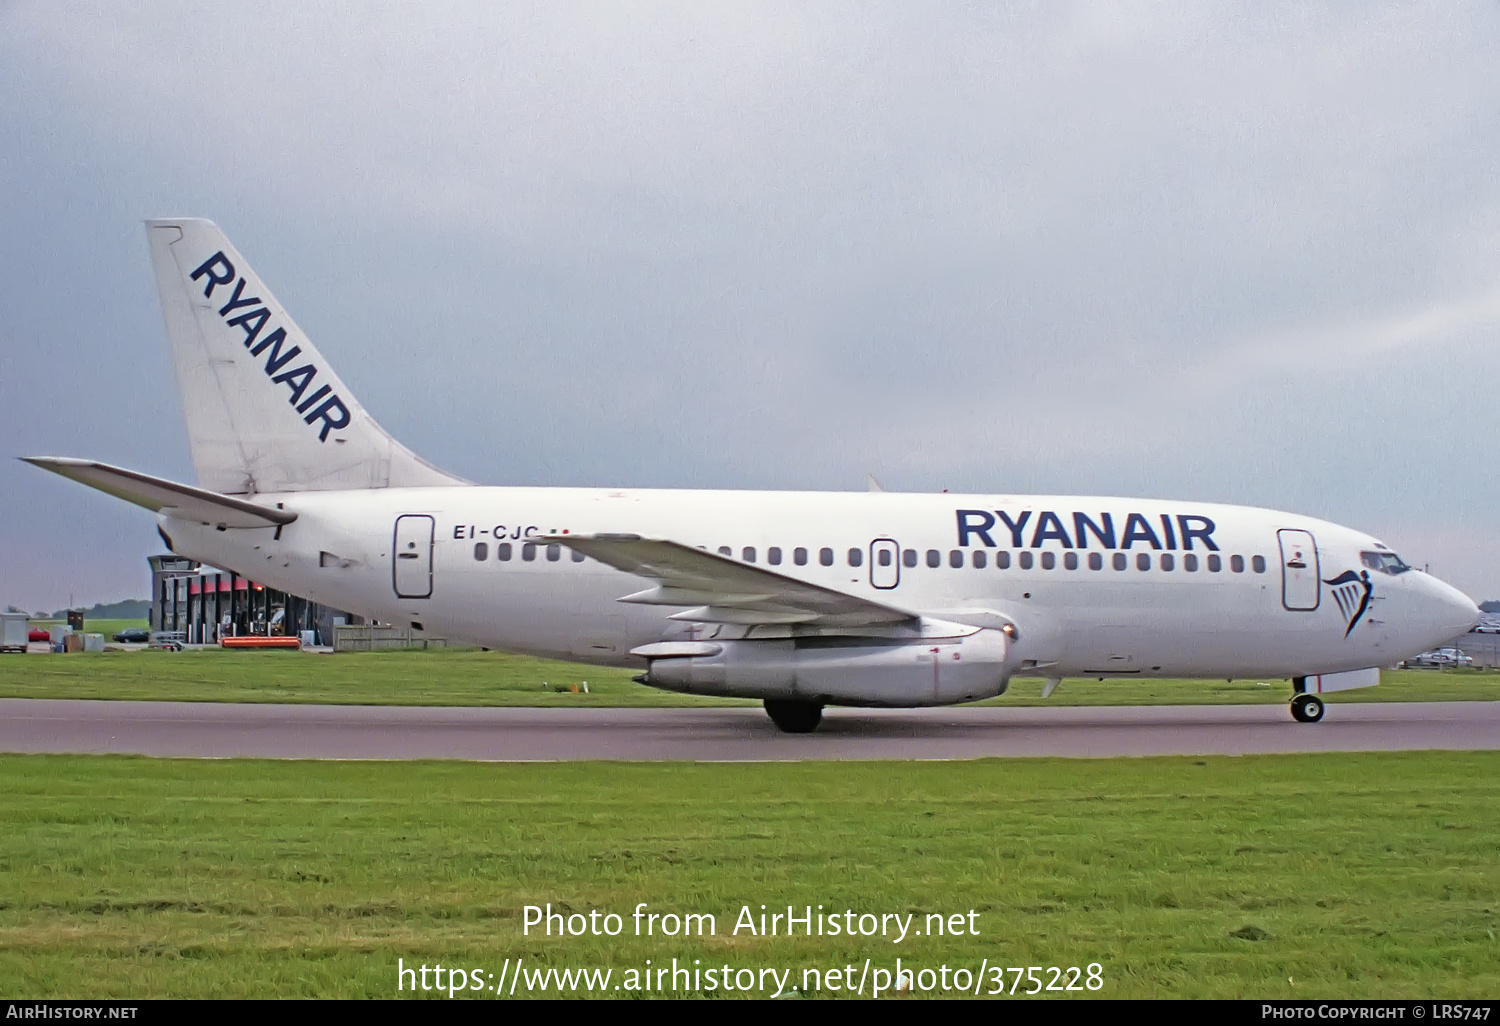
point(265, 412)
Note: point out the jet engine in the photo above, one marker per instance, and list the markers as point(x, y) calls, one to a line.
point(839, 669)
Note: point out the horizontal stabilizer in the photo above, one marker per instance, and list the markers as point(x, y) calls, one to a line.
point(724, 590)
point(162, 496)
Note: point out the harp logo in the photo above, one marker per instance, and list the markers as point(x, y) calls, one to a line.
point(1352, 592)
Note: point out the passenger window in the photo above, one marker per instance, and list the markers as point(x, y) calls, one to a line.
point(1190, 562)
point(909, 557)
point(799, 556)
point(1258, 564)
point(981, 559)
point(578, 557)
point(554, 552)
point(1167, 561)
point(857, 557)
point(1002, 559)
point(1096, 561)
point(1215, 564)
point(528, 551)
point(1049, 560)
point(481, 551)
point(773, 556)
point(1026, 560)
point(934, 558)
point(825, 556)
point(1237, 564)
point(1070, 560)
point(725, 550)
point(1142, 561)
point(956, 558)
point(748, 553)
point(1119, 561)
point(883, 557)
point(502, 551)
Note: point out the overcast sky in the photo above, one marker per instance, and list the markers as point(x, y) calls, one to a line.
point(1242, 253)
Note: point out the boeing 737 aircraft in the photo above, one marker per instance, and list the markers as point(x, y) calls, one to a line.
point(801, 599)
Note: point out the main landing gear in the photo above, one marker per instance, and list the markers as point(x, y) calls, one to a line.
point(794, 717)
point(1307, 708)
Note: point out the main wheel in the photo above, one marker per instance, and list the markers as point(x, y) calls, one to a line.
point(794, 717)
point(1307, 708)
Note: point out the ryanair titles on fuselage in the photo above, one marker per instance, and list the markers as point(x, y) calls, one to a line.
point(252, 317)
point(1076, 530)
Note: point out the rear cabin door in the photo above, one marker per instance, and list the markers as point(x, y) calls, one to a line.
point(885, 563)
point(412, 556)
point(1300, 584)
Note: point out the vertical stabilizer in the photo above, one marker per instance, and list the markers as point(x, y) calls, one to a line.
point(265, 411)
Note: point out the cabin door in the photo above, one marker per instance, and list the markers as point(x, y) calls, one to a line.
point(885, 563)
point(1300, 585)
point(411, 556)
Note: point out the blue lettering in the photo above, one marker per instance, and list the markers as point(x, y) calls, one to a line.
point(298, 379)
point(1138, 528)
point(1050, 528)
point(1082, 525)
point(334, 415)
point(1201, 532)
point(235, 302)
point(207, 267)
point(260, 317)
point(1015, 526)
point(1166, 528)
point(276, 361)
point(982, 529)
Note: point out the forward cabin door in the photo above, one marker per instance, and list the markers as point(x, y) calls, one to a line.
point(885, 563)
point(1300, 584)
point(412, 556)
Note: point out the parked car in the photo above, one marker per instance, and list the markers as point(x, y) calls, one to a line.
point(36, 635)
point(1440, 659)
point(134, 635)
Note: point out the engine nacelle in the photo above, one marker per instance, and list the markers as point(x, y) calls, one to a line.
point(836, 670)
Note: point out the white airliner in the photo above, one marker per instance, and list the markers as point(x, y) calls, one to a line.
point(802, 599)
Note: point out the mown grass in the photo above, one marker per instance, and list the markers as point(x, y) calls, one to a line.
point(471, 677)
point(1340, 875)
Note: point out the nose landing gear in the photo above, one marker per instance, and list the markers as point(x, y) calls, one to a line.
point(794, 717)
point(1307, 708)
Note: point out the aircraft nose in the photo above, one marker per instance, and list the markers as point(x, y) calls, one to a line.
point(1453, 611)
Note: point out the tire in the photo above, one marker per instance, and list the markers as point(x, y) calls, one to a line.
point(1307, 708)
point(794, 717)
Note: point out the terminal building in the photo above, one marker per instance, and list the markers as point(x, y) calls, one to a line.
point(204, 604)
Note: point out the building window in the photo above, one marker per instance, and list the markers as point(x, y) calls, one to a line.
point(773, 556)
point(1002, 559)
point(1167, 561)
point(1237, 564)
point(1258, 564)
point(748, 553)
point(1190, 562)
point(909, 557)
point(1119, 561)
point(502, 551)
point(1215, 564)
point(1096, 561)
point(481, 551)
point(1070, 560)
point(799, 556)
point(857, 557)
point(825, 557)
point(1142, 561)
point(578, 557)
point(528, 551)
point(554, 552)
point(981, 559)
point(1026, 560)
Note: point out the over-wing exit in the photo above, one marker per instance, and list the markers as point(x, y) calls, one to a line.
point(800, 599)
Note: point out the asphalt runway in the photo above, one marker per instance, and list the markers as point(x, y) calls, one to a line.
point(220, 731)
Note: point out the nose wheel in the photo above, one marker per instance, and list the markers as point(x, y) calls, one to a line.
point(794, 717)
point(1307, 708)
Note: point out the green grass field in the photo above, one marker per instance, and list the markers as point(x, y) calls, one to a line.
point(1341, 875)
point(472, 677)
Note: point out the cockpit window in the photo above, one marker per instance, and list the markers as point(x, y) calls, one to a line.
point(1384, 562)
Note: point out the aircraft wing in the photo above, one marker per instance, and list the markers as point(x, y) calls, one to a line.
point(163, 496)
point(724, 590)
